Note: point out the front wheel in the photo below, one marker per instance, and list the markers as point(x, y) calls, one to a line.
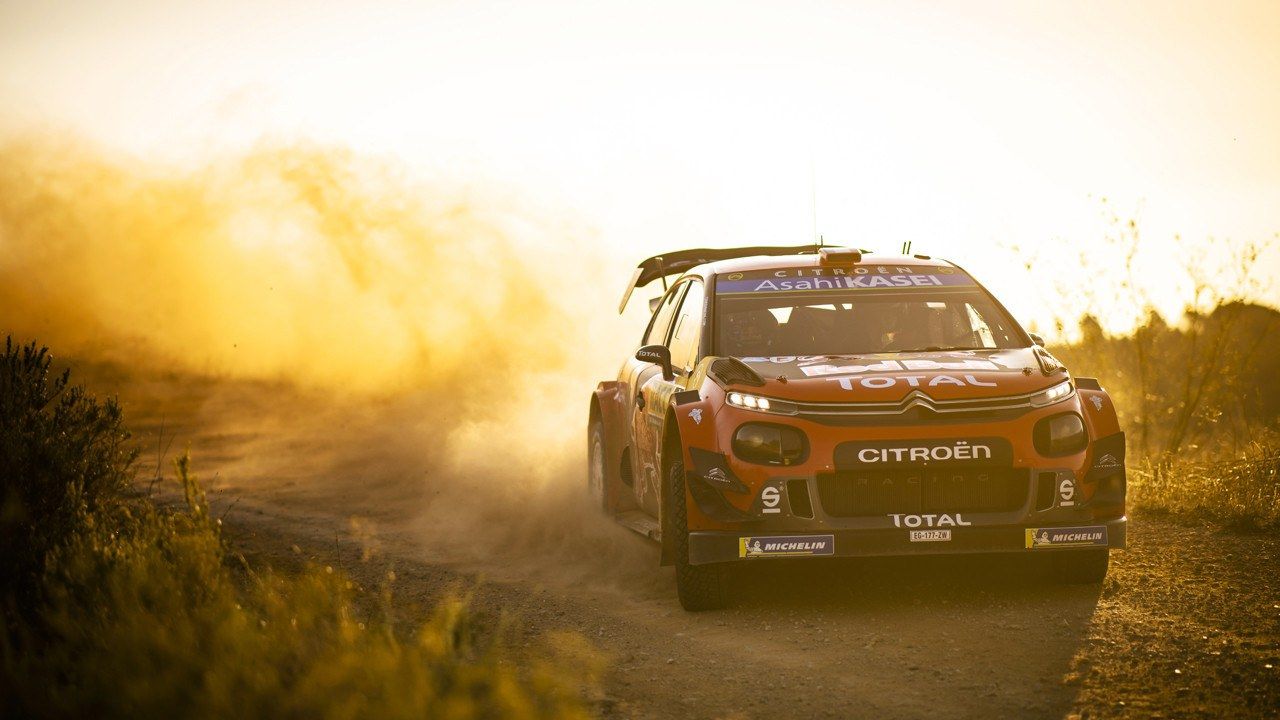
point(1081, 567)
point(700, 587)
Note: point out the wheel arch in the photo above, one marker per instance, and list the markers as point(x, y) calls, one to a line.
point(669, 450)
point(1100, 415)
point(604, 408)
point(689, 421)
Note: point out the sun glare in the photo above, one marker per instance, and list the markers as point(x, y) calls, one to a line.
point(965, 130)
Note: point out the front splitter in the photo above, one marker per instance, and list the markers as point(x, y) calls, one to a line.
point(708, 547)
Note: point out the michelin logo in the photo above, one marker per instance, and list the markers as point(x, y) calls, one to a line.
point(1089, 536)
point(786, 546)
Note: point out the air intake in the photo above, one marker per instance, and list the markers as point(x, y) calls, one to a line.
point(1046, 486)
point(798, 498)
point(732, 371)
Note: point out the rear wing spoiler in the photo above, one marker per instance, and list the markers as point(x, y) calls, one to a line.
point(674, 263)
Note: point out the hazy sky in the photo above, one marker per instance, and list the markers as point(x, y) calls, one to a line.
point(959, 126)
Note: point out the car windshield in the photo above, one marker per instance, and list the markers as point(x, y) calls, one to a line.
point(786, 312)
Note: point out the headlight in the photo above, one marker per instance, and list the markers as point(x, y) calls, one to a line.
point(750, 402)
point(1060, 435)
point(769, 444)
point(1061, 391)
point(764, 404)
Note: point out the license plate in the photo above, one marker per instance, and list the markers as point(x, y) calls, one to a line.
point(930, 536)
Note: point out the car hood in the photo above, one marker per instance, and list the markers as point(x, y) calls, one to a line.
point(890, 377)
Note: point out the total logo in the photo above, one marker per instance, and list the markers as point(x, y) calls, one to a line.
point(648, 356)
point(937, 520)
point(880, 382)
point(821, 368)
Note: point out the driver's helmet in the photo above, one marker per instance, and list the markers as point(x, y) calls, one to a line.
point(909, 327)
point(750, 332)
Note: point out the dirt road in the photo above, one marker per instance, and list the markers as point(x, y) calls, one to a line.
point(1188, 624)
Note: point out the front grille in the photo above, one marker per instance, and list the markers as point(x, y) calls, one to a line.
point(915, 399)
point(913, 416)
point(858, 493)
point(917, 408)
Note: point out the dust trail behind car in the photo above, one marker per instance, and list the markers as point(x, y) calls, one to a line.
point(326, 325)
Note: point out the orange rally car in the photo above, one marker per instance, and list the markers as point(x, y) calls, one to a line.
point(818, 401)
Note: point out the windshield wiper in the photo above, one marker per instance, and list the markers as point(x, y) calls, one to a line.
point(939, 348)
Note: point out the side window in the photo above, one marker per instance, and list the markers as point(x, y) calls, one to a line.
point(684, 341)
point(657, 334)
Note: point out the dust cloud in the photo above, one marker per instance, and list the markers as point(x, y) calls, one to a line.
point(302, 262)
point(328, 332)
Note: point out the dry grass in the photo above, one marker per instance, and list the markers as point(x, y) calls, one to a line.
point(1243, 492)
point(140, 611)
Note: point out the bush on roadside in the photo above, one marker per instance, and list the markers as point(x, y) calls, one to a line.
point(64, 461)
point(142, 612)
point(1243, 492)
point(1202, 417)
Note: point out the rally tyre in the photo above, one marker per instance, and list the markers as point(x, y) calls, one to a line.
point(1081, 567)
point(596, 477)
point(700, 587)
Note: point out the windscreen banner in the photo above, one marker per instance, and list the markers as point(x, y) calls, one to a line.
point(870, 277)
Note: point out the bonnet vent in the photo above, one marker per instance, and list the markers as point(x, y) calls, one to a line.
point(732, 371)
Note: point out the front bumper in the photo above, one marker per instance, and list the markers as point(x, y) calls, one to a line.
point(718, 546)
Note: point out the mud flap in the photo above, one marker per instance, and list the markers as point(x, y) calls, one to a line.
point(1106, 477)
point(608, 400)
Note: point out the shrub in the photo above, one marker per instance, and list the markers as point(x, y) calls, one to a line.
point(64, 460)
point(1202, 387)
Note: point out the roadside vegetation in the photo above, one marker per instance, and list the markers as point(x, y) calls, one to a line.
point(1196, 394)
point(1243, 492)
point(1201, 410)
point(117, 607)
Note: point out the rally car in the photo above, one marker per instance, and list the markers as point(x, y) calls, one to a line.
point(816, 401)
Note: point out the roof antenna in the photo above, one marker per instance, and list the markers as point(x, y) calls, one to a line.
point(813, 197)
point(906, 247)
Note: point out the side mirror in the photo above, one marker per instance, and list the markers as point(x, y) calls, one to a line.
point(659, 355)
point(1037, 339)
point(654, 303)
